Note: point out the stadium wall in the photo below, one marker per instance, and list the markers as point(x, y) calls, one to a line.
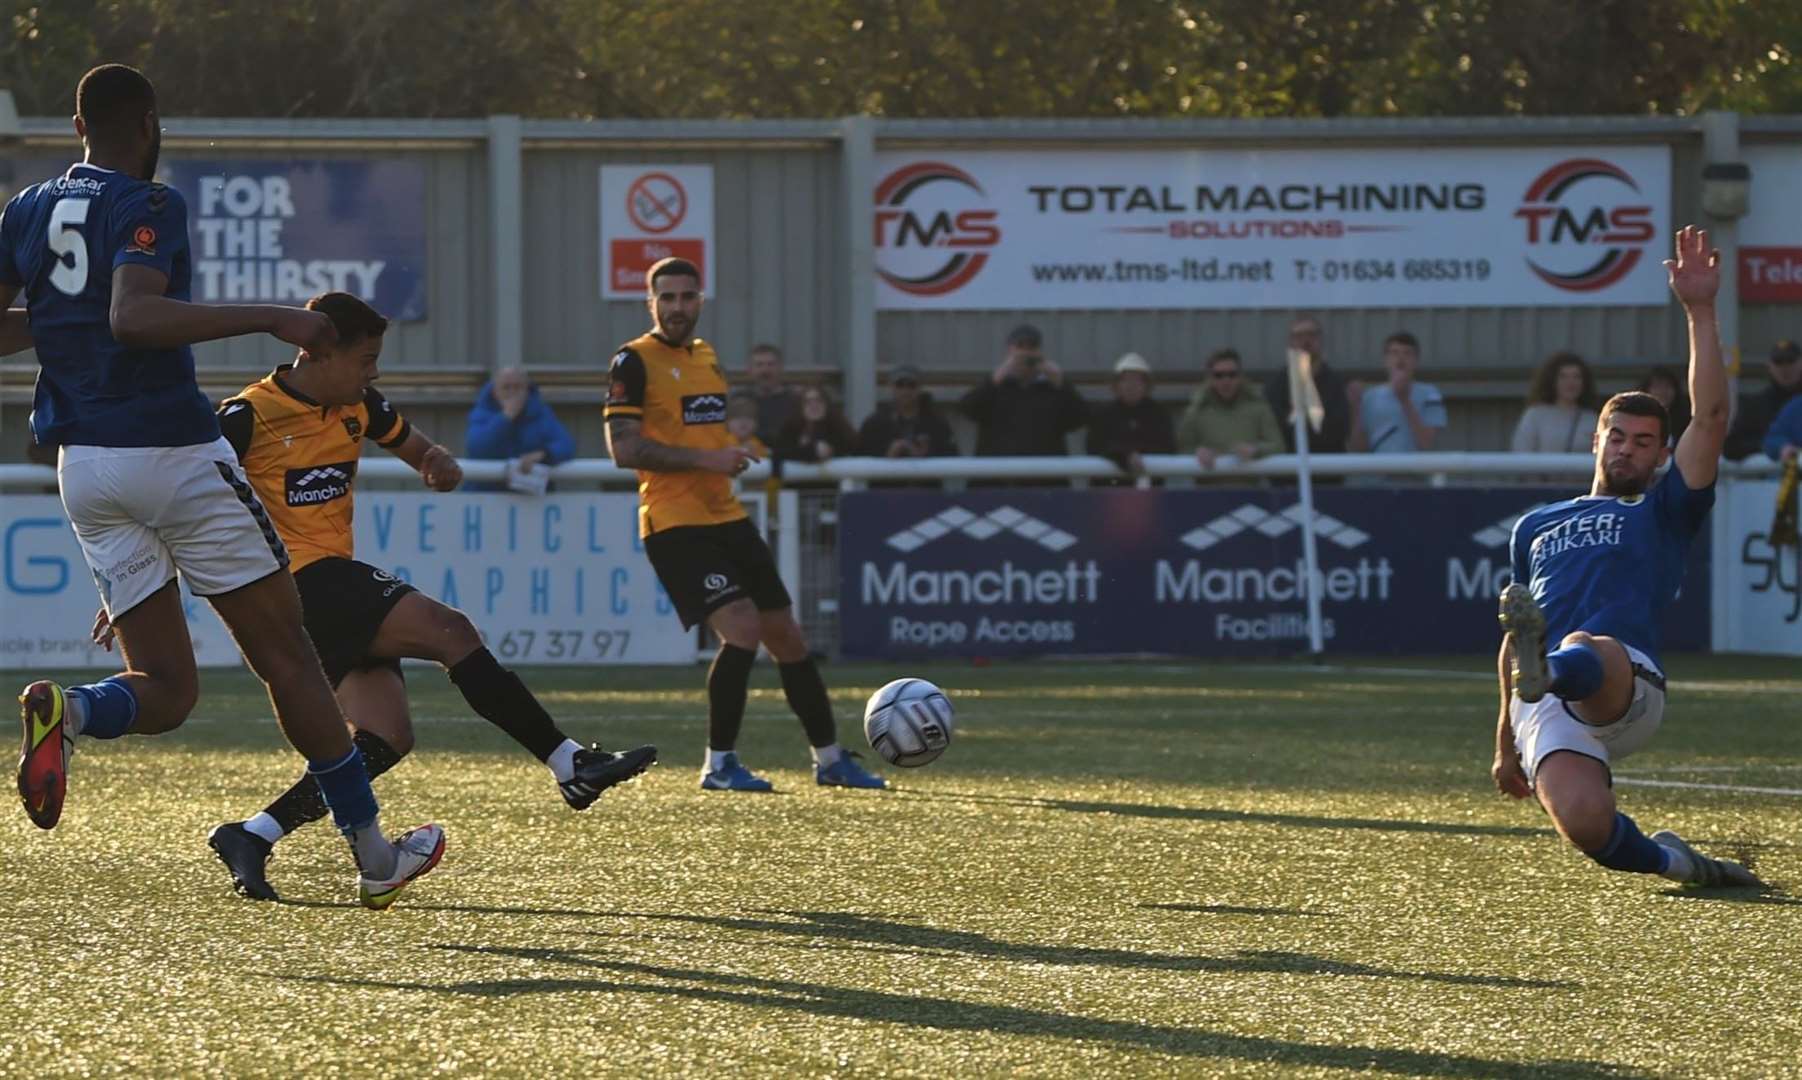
point(789, 248)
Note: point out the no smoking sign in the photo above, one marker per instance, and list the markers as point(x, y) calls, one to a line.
point(652, 212)
point(656, 202)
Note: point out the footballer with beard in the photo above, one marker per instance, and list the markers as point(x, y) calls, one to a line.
point(1593, 576)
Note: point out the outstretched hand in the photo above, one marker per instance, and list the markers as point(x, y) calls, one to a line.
point(1696, 271)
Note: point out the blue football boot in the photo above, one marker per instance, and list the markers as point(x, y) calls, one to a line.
point(847, 771)
point(732, 776)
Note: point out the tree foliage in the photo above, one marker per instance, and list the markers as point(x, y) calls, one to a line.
point(915, 58)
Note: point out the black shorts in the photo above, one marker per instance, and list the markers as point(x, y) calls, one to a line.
point(343, 603)
point(705, 567)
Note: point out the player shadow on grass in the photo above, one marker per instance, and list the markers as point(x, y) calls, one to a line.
point(947, 1014)
point(1733, 894)
point(461, 909)
point(1238, 909)
point(857, 929)
point(1260, 817)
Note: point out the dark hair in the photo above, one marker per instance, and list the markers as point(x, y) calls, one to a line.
point(765, 347)
point(1668, 374)
point(1638, 403)
point(1222, 354)
point(112, 100)
point(1402, 337)
point(353, 319)
point(1543, 390)
point(1025, 336)
point(668, 266)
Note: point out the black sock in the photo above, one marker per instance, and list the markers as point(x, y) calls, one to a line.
point(807, 696)
point(303, 803)
point(728, 680)
point(498, 696)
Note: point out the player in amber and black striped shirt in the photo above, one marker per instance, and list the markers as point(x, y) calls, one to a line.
point(299, 434)
point(666, 417)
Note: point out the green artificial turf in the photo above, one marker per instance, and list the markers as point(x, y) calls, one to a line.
point(1117, 869)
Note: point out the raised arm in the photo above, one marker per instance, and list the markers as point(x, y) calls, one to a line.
point(1695, 278)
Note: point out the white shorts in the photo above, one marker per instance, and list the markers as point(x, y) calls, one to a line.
point(145, 513)
point(1548, 725)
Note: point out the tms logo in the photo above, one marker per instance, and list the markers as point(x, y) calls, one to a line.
point(320, 484)
point(927, 233)
point(1580, 205)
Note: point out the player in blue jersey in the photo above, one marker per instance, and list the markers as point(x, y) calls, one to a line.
point(1594, 575)
point(149, 485)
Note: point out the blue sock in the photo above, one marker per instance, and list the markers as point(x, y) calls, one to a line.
point(345, 786)
point(112, 707)
point(1576, 672)
point(1628, 850)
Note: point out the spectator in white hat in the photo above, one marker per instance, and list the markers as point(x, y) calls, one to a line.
point(1132, 425)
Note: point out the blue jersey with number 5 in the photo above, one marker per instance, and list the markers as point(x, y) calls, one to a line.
point(60, 241)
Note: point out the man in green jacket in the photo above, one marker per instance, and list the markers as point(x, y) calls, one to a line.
point(1228, 416)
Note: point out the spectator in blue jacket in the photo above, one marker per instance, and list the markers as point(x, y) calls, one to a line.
point(511, 420)
point(1784, 441)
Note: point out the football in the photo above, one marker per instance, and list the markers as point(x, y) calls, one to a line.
point(908, 722)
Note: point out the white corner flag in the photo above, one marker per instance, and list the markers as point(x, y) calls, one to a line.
point(1304, 393)
point(1304, 397)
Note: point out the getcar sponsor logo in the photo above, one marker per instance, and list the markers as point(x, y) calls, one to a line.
point(934, 228)
point(1587, 224)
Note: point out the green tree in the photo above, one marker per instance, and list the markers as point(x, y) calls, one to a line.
point(916, 58)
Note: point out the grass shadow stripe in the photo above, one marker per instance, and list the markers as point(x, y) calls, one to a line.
point(1256, 817)
point(868, 930)
point(948, 1014)
point(1237, 909)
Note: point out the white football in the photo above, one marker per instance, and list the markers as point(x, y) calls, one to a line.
point(908, 722)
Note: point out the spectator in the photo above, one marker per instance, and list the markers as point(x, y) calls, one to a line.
point(1132, 425)
point(741, 424)
point(1758, 410)
point(906, 425)
point(1228, 416)
point(1560, 417)
point(511, 422)
point(819, 432)
point(1025, 407)
point(1783, 442)
point(1400, 416)
point(1666, 385)
point(1335, 393)
point(777, 402)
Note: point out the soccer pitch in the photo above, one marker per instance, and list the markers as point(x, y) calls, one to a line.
point(1127, 869)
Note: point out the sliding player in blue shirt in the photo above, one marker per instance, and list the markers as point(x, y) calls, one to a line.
point(1594, 575)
